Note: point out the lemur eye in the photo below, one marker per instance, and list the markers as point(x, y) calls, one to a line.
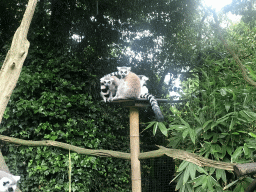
point(5, 183)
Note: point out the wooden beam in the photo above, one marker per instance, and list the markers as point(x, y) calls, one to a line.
point(135, 149)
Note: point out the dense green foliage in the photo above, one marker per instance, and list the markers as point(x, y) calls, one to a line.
point(57, 96)
point(50, 103)
point(223, 128)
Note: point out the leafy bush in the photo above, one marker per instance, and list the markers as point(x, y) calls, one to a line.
point(219, 124)
point(53, 101)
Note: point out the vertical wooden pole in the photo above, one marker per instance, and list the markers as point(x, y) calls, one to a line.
point(135, 149)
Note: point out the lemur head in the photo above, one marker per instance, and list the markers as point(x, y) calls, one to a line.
point(123, 71)
point(107, 81)
point(143, 79)
point(8, 183)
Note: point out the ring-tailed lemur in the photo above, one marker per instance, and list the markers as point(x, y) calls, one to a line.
point(8, 182)
point(103, 90)
point(108, 87)
point(129, 85)
point(130, 88)
point(143, 80)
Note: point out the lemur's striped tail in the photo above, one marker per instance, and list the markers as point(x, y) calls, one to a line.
point(155, 107)
point(112, 74)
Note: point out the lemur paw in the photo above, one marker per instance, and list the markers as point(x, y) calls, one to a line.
point(110, 99)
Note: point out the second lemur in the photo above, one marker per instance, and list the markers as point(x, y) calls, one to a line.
point(108, 87)
point(143, 80)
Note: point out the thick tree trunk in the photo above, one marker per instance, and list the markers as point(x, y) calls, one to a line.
point(15, 58)
point(12, 65)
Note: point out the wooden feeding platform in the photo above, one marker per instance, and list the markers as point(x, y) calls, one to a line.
point(141, 102)
point(134, 137)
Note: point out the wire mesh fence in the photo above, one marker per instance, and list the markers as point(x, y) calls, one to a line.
point(157, 174)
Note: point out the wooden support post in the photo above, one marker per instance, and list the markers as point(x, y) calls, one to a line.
point(135, 149)
point(134, 138)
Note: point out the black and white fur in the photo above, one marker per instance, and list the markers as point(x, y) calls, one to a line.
point(108, 87)
point(131, 87)
point(151, 98)
point(129, 84)
point(8, 182)
point(155, 106)
point(143, 83)
point(104, 91)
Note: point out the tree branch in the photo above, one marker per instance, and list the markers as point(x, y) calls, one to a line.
point(236, 58)
point(175, 153)
point(15, 58)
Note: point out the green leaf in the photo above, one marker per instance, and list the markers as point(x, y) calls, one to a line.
point(201, 170)
point(236, 154)
point(196, 118)
point(192, 135)
point(231, 184)
point(192, 170)
point(213, 102)
point(182, 166)
point(210, 182)
point(229, 150)
point(220, 173)
point(211, 170)
point(177, 127)
point(198, 130)
point(249, 116)
point(189, 187)
point(176, 177)
point(185, 133)
point(185, 123)
point(246, 150)
point(179, 184)
point(231, 124)
point(186, 175)
point(221, 120)
point(252, 114)
point(155, 128)
point(204, 182)
point(163, 129)
point(150, 125)
point(200, 180)
point(227, 106)
point(206, 123)
point(53, 137)
point(252, 134)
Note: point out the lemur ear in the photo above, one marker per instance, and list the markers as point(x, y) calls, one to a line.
point(17, 178)
point(118, 68)
point(128, 68)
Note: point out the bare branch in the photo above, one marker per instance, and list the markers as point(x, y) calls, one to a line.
point(175, 153)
